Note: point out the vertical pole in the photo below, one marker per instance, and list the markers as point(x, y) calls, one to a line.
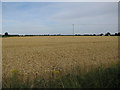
point(73, 30)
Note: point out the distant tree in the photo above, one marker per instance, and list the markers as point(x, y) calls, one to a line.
point(6, 33)
point(116, 34)
point(119, 34)
point(94, 34)
point(107, 34)
point(101, 34)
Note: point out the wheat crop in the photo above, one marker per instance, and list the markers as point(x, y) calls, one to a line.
point(39, 55)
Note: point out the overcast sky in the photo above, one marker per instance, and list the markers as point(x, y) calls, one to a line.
point(58, 17)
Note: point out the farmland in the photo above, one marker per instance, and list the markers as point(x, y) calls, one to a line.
point(40, 55)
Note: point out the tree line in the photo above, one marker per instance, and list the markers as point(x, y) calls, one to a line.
point(106, 34)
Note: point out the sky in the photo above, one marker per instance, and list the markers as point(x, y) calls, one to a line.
point(0, 17)
point(58, 17)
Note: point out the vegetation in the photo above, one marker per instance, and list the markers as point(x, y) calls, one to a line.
point(97, 78)
point(107, 34)
point(34, 60)
point(6, 33)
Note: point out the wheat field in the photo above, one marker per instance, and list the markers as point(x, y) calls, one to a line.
point(39, 55)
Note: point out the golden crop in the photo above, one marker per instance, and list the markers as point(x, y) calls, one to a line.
point(42, 54)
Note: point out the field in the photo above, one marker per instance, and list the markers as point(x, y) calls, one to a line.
point(39, 56)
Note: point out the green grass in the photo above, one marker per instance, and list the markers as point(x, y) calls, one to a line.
point(98, 78)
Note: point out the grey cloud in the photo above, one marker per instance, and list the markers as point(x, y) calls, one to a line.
point(90, 10)
point(63, 14)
